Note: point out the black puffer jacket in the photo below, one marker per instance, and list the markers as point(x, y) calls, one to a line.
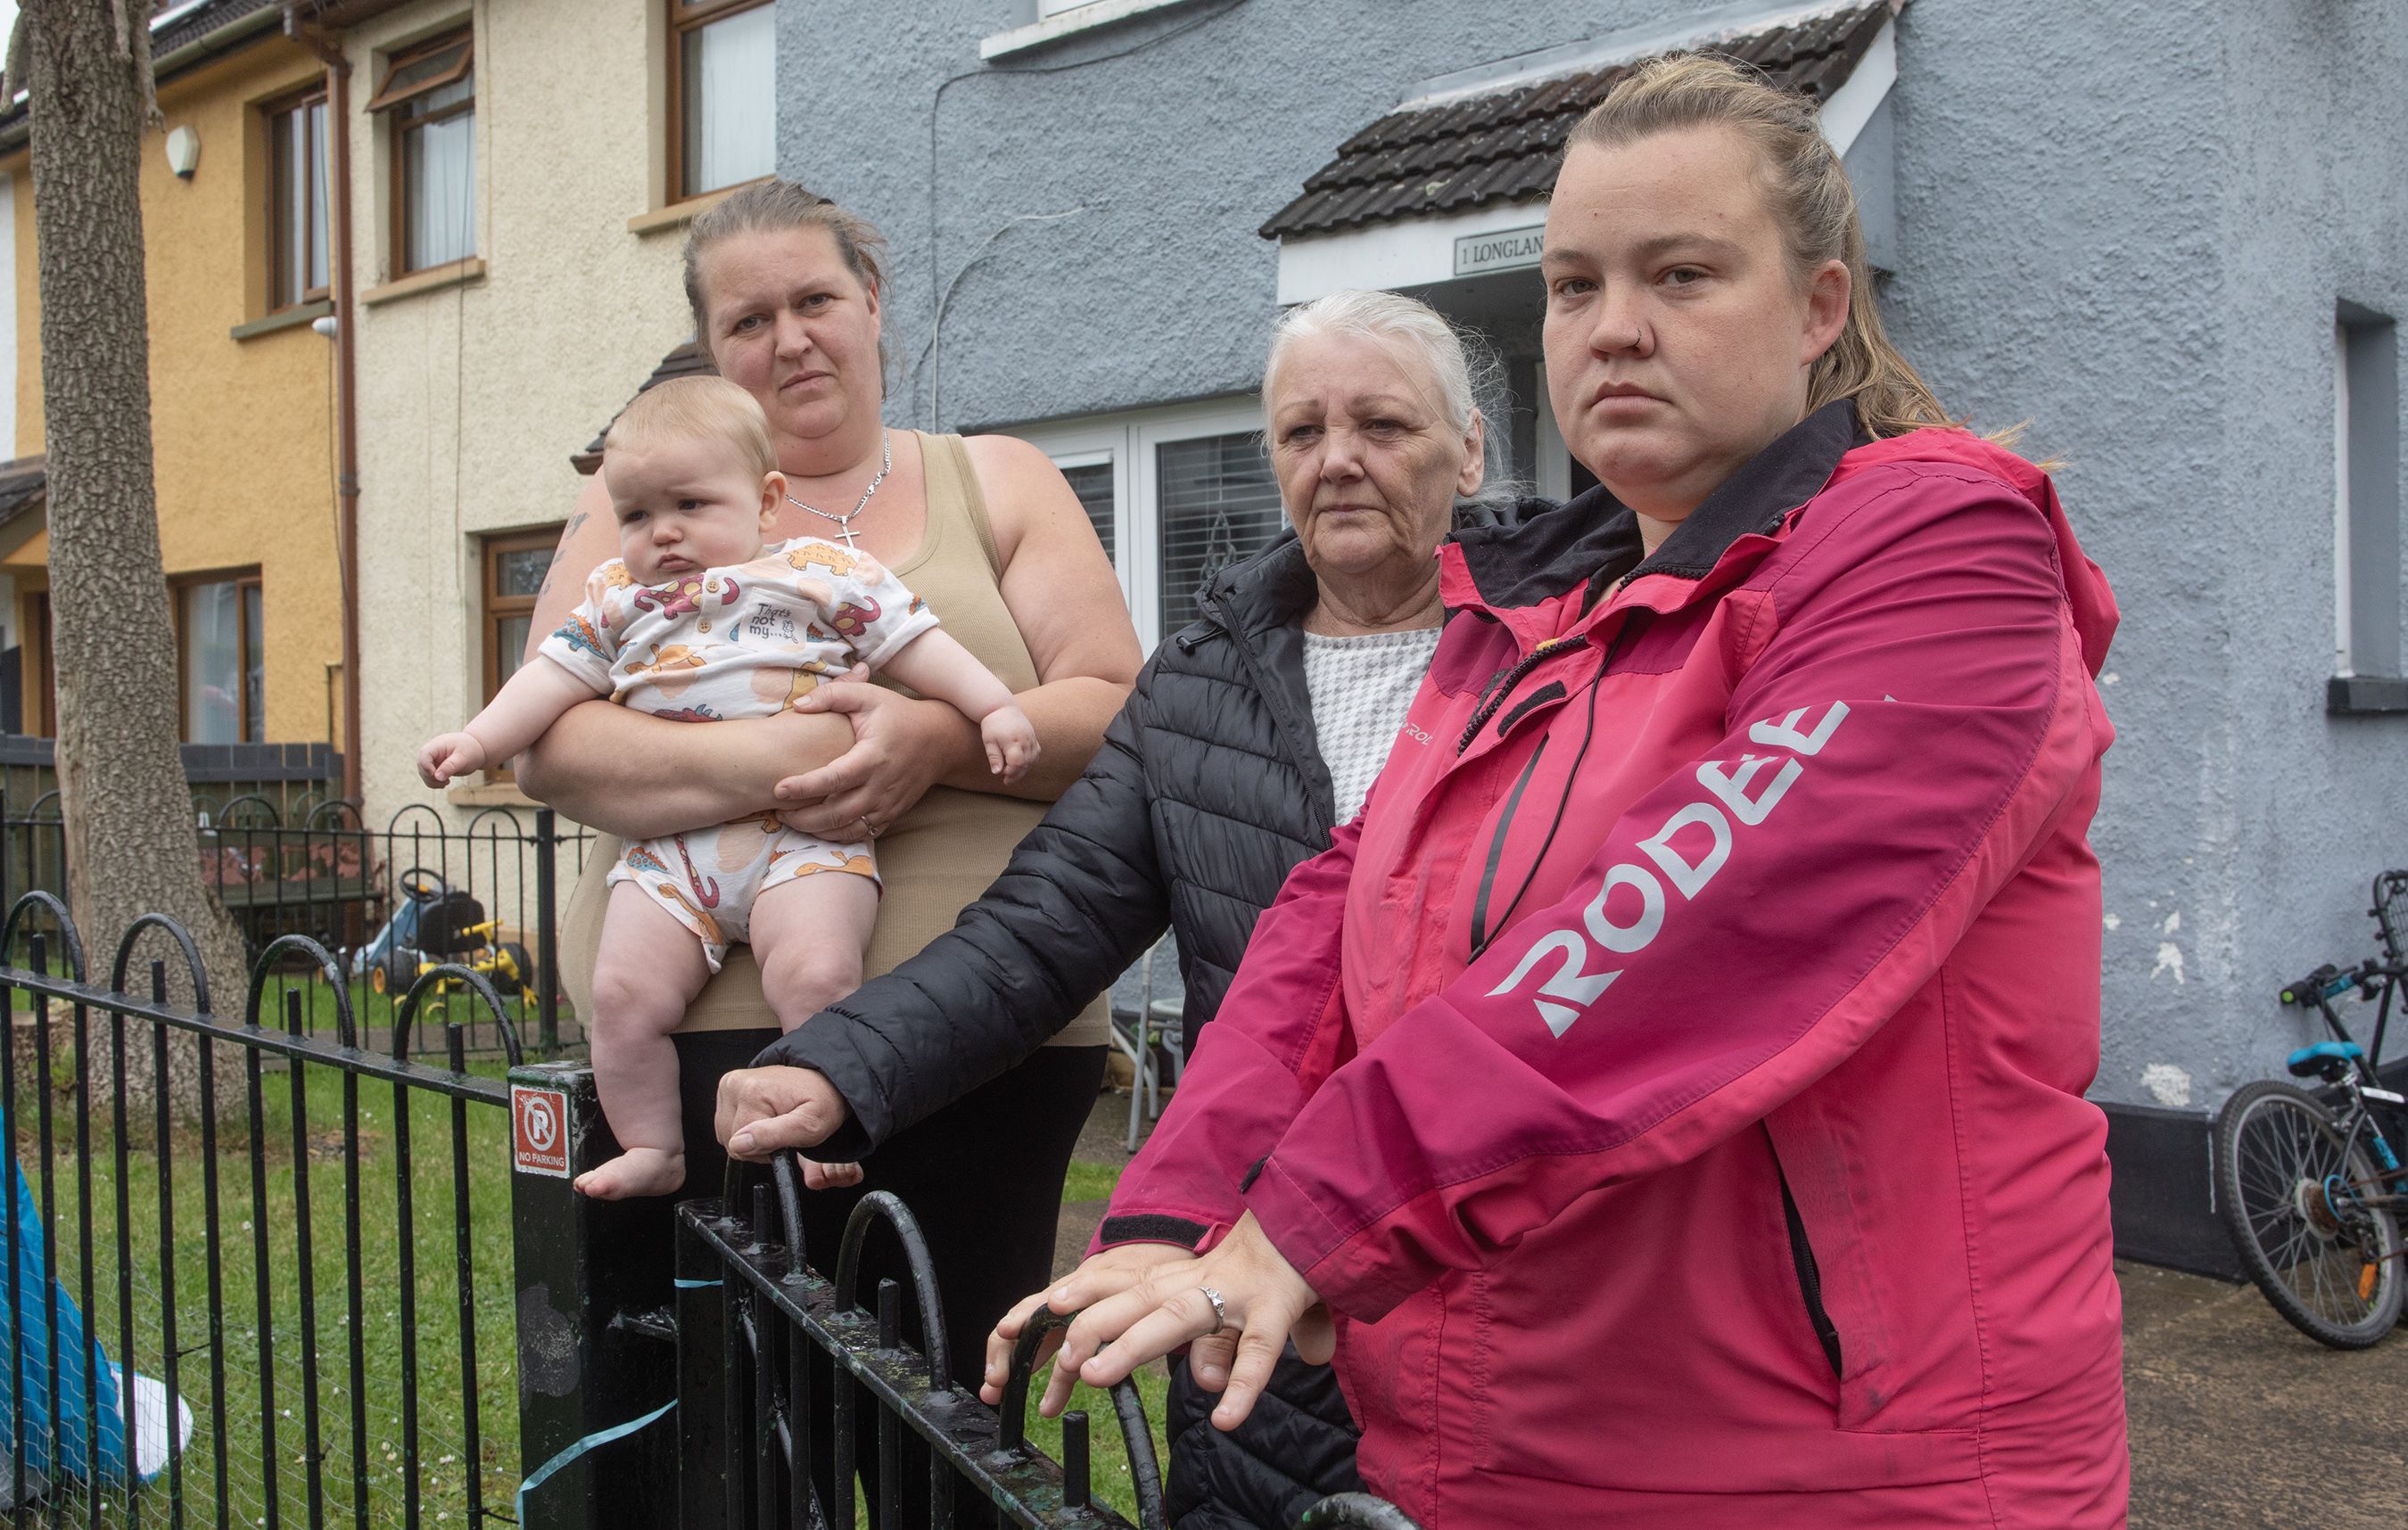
point(1208, 789)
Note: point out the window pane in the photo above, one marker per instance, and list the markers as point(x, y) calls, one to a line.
point(434, 101)
point(317, 210)
point(254, 667)
point(441, 196)
point(433, 64)
point(287, 209)
point(1092, 485)
point(1219, 504)
point(731, 109)
point(213, 664)
point(520, 572)
point(509, 647)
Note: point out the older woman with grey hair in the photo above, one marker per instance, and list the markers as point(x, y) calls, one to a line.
point(1253, 732)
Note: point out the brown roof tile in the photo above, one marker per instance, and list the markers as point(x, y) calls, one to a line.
point(686, 361)
point(25, 484)
point(1503, 146)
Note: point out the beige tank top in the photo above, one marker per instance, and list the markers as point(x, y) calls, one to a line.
point(940, 855)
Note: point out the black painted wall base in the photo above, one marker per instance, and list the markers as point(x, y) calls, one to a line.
point(2163, 1201)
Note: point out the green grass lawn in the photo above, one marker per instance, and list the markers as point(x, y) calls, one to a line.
point(407, 1395)
point(266, 1381)
point(1094, 1181)
point(373, 1015)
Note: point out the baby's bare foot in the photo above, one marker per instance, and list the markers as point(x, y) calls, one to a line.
point(638, 1171)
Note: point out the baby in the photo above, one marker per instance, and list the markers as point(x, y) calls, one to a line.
point(696, 619)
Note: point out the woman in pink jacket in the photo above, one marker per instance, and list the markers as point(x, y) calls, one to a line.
point(1667, 1096)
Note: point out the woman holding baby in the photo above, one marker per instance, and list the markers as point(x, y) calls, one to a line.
point(786, 291)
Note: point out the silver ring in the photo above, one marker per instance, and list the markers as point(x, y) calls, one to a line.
point(867, 824)
point(1220, 1309)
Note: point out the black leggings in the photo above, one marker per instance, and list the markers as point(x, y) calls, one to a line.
point(984, 1179)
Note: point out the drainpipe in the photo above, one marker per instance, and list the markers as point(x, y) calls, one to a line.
point(347, 465)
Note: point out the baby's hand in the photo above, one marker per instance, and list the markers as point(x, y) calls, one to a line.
point(446, 755)
point(1011, 742)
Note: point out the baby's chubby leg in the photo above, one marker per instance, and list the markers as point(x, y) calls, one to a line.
point(649, 968)
point(809, 935)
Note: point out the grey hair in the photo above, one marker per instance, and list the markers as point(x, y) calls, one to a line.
point(1469, 379)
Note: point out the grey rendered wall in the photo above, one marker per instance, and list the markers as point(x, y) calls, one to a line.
point(1156, 287)
point(2128, 224)
point(2134, 232)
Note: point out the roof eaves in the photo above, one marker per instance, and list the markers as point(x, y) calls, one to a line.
point(182, 39)
point(1453, 147)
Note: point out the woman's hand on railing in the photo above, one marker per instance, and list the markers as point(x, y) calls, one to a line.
point(1107, 1273)
point(1264, 1303)
point(765, 1110)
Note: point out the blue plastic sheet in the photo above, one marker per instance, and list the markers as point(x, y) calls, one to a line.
point(43, 1404)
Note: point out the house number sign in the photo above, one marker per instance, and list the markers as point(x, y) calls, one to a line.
point(1506, 249)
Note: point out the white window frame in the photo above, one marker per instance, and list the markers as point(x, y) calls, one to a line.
point(1059, 19)
point(2368, 533)
point(1129, 440)
point(2342, 614)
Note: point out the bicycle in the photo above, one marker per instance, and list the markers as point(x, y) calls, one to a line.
point(2311, 1185)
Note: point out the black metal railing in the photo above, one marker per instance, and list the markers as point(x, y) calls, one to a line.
point(260, 1273)
point(759, 1331)
point(487, 892)
point(216, 1377)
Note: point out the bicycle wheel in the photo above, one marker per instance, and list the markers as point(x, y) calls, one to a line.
point(2291, 1191)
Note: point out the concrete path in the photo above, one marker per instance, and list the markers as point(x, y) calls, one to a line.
point(2238, 1420)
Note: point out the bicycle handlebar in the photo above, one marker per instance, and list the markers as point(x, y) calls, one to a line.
point(2326, 982)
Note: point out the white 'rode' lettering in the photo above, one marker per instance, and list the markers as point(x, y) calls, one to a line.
point(1633, 936)
point(1569, 991)
point(1732, 789)
point(1569, 981)
point(1691, 879)
point(1784, 734)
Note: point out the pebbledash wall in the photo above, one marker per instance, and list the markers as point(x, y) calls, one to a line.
point(2135, 228)
point(477, 380)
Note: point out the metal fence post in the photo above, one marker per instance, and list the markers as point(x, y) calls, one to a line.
point(703, 1380)
point(595, 1326)
point(547, 940)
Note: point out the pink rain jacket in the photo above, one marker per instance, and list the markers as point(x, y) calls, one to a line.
point(1673, 1081)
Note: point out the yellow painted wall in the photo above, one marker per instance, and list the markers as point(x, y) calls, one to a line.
point(241, 430)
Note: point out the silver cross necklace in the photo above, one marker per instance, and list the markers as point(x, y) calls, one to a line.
point(844, 521)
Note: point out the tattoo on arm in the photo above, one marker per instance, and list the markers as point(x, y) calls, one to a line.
point(559, 552)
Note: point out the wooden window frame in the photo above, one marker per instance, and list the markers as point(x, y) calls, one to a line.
point(391, 102)
point(179, 586)
point(273, 115)
point(684, 19)
point(494, 609)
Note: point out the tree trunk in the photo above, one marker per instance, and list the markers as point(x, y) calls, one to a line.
point(131, 848)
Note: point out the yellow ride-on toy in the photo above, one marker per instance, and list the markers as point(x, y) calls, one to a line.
point(433, 925)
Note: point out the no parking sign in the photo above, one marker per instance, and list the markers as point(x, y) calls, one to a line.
point(540, 1131)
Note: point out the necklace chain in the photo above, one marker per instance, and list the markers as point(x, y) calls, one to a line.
point(844, 521)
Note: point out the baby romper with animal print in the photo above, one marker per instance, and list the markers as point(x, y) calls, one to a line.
point(738, 642)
